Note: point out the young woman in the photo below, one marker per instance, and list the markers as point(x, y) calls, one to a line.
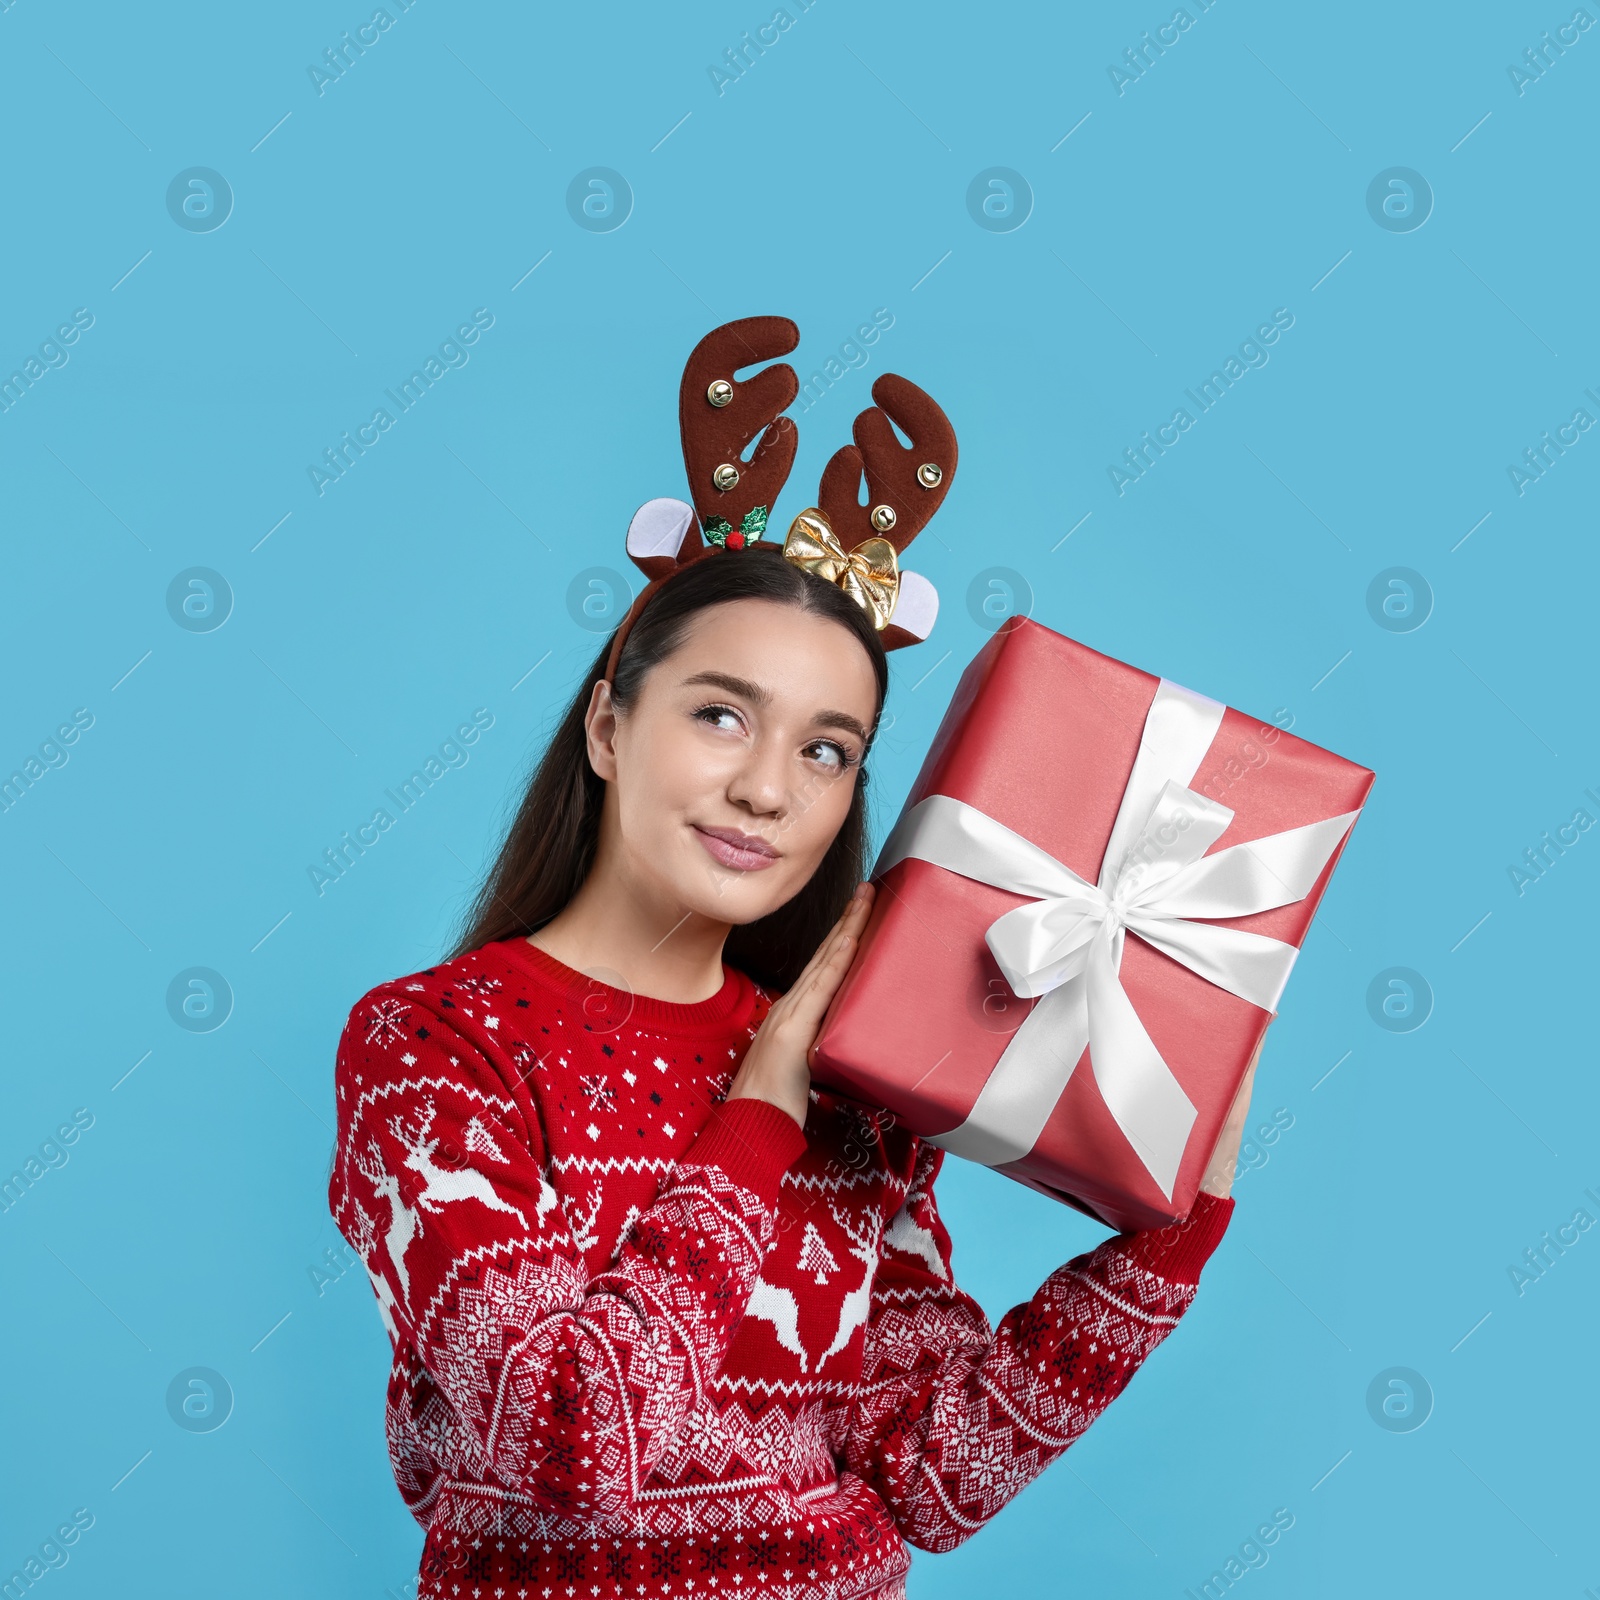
point(666, 1319)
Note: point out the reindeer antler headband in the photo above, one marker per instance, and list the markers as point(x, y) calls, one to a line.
point(840, 540)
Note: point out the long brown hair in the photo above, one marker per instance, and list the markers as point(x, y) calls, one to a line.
point(550, 846)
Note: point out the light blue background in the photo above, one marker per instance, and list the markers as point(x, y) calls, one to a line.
point(1167, 222)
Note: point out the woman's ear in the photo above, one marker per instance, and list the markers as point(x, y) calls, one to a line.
point(600, 729)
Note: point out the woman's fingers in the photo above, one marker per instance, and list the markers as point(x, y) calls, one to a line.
point(846, 931)
point(808, 998)
point(776, 1066)
point(1240, 1109)
point(1220, 1170)
point(812, 997)
point(839, 923)
point(824, 986)
point(803, 981)
point(849, 920)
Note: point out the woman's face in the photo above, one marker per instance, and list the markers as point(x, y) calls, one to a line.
point(735, 768)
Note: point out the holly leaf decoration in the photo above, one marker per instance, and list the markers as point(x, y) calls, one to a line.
point(718, 529)
point(754, 522)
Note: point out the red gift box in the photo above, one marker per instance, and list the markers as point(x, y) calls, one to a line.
point(1053, 764)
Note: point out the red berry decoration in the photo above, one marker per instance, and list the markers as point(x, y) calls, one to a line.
point(736, 540)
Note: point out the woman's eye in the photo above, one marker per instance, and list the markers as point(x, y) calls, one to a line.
point(834, 755)
point(711, 714)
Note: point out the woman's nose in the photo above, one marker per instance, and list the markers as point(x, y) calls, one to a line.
point(762, 783)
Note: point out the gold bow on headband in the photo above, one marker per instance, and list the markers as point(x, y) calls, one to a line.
point(869, 574)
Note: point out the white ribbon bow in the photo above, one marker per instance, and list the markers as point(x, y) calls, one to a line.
point(1067, 945)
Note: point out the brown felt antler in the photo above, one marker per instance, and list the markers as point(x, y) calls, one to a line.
point(718, 417)
point(904, 486)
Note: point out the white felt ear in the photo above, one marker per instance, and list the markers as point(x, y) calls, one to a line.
point(918, 604)
point(659, 528)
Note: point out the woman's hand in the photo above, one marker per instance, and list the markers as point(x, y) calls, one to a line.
point(775, 1066)
point(1224, 1159)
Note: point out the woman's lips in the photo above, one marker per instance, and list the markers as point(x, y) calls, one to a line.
point(738, 850)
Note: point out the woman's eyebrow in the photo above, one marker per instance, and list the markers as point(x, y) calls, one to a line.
point(841, 719)
point(759, 695)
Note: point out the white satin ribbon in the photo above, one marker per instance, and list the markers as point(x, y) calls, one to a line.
point(1067, 944)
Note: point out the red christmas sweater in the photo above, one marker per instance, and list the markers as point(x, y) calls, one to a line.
point(651, 1342)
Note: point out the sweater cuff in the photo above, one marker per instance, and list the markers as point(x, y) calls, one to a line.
point(1178, 1251)
point(753, 1142)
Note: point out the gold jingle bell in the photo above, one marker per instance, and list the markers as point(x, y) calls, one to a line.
point(883, 518)
point(720, 393)
point(929, 475)
point(726, 476)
